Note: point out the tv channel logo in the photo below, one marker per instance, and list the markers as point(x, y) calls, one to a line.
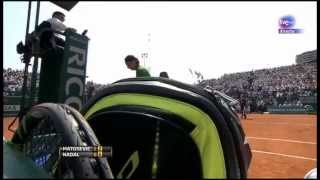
point(286, 24)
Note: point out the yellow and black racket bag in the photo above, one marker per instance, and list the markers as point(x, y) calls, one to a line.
point(162, 128)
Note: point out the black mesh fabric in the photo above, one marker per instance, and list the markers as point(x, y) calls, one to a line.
point(129, 132)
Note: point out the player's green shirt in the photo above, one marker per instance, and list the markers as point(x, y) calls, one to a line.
point(142, 72)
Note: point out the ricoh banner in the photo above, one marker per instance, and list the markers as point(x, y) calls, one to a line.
point(73, 71)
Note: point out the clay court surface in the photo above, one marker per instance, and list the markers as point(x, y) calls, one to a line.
point(283, 146)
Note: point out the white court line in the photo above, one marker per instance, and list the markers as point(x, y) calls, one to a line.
point(283, 123)
point(285, 140)
point(292, 156)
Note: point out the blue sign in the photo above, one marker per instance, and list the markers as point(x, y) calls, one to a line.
point(286, 24)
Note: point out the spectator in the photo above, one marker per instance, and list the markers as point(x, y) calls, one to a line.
point(164, 74)
point(133, 64)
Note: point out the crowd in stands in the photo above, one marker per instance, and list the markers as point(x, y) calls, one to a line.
point(280, 86)
point(13, 82)
point(92, 88)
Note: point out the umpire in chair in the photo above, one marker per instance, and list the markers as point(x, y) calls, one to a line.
point(51, 47)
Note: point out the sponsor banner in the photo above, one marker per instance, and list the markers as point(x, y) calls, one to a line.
point(11, 105)
point(11, 108)
point(306, 109)
point(308, 99)
point(73, 73)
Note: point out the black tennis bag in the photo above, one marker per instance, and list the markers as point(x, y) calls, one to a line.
point(43, 130)
point(162, 128)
